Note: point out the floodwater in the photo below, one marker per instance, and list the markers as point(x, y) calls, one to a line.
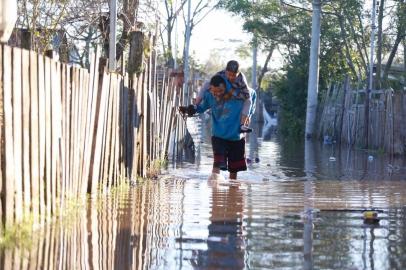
point(297, 207)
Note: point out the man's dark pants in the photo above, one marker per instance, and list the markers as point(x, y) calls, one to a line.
point(229, 155)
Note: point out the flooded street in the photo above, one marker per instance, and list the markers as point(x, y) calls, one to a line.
point(297, 207)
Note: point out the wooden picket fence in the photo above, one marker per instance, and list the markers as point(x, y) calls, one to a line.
point(67, 131)
point(343, 113)
point(100, 238)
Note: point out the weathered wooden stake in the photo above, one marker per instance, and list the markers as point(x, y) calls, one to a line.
point(136, 55)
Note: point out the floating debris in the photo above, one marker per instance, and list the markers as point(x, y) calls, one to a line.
point(371, 217)
point(327, 140)
point(392, 168)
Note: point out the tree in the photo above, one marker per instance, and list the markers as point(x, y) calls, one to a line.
point(379, 43)
point(198, 13)
point(172, 12)
point(285, 26)
point(400, 20)
point(80, 21)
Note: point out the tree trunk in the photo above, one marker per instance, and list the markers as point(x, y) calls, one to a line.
point(103, 26)
point(169, 27)
point(347, 50)
point(404, 55)
point(122, 43)
point(265, 67)
point(86, 62)
point(399, 38)
point(136, 55)
point(130, 8)
point(360, 49)
point(364, 47)
point(379, 45)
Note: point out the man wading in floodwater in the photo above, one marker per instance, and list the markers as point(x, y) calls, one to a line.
point(228, 141)
point(239, 88)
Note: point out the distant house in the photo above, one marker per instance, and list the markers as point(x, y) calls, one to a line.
point(397, 75)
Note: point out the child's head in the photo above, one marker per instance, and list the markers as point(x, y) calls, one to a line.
point(232, 70)
point(217, 86)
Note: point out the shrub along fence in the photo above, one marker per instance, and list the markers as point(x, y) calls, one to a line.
point(68, 131)
point(342, 118)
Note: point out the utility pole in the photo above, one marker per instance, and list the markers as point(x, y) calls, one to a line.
point(8, 18)
point(175, 52)
point(254, 64)
point(186, 54)
point(112, 37)
point(313, 83)
point(254, 55)
point(371, 75)
point(309, 194)
point(254, 82)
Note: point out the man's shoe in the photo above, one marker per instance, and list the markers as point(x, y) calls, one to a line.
point(245, 129)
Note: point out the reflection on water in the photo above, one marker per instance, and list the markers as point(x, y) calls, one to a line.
point(294, 209)
point(225, 247)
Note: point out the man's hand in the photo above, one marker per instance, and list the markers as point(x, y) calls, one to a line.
point(245, 129)
point(183, 109)
point(190, 110)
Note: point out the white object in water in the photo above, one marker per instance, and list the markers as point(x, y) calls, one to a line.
point(332, 159)
point(370, 158)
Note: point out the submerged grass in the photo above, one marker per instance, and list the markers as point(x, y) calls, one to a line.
point(23, 233)
point(155, 167)
point(18, 235)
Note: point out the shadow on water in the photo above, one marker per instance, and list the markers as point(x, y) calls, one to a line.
point(299, 206)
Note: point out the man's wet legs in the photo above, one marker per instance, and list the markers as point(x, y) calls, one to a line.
point(233, 175)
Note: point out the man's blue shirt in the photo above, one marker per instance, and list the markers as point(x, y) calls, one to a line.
point(225, 116)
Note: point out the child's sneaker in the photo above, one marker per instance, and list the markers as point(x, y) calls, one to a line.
point(245, 129)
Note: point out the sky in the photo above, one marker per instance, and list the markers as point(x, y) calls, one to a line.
point(219, 31)
point(222, 31)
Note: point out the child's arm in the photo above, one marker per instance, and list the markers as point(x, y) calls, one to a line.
point(245, 112)
point(249, 105)
point(205, 87)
